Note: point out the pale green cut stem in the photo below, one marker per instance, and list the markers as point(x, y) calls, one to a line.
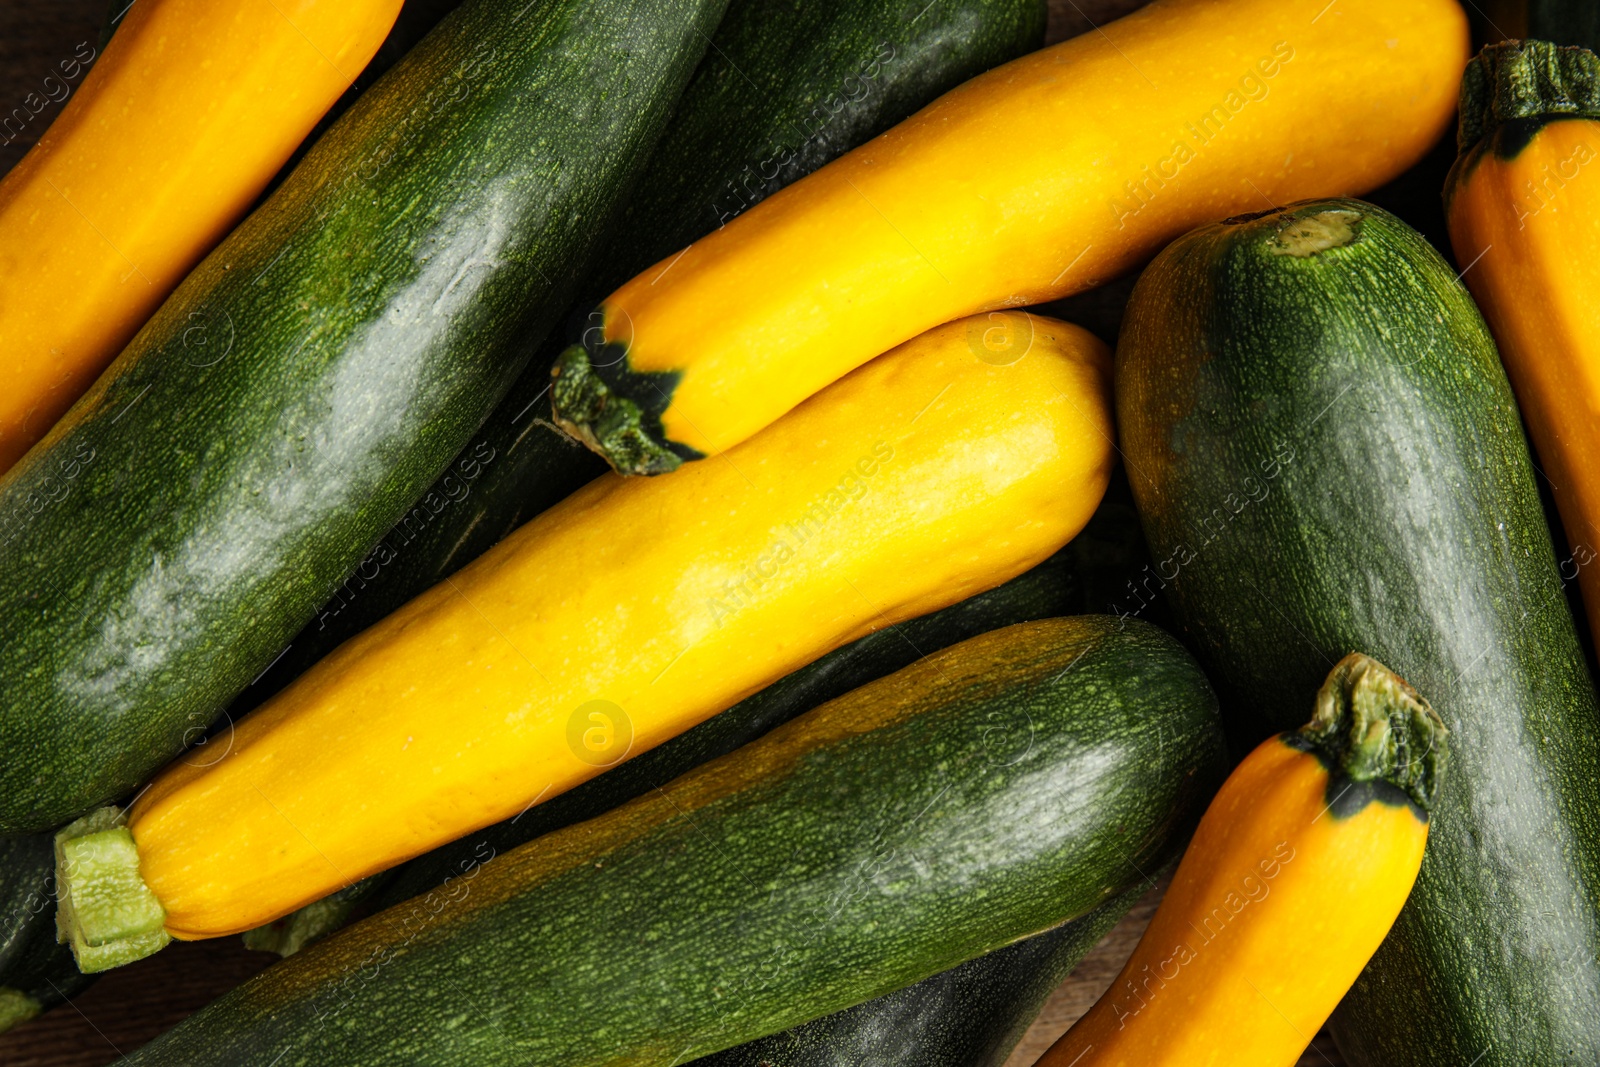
point(105, 910)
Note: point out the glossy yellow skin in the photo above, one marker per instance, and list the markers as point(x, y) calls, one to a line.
point(192, 109)
point(940, 470)
point(1042, 178)
point(1530, 229)
point(1274, 910)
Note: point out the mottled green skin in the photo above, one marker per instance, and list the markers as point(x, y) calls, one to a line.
point(30, 960)
point(1351, 405)
point(969, 1016)
point(990, 791)
point(798, 55)
point(309, 380)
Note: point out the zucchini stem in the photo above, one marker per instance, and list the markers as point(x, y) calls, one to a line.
point(1512, 89)
point(589, 402)
point(104, 908)
point(1371, 727)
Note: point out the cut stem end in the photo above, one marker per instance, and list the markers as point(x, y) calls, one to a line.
point(105, 910)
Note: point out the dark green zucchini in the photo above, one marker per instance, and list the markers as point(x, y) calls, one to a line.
point(314, 375)
point(35, 972)
point(837, 71)
point(969, 1016)
point(1327, 446)
point(988, 792)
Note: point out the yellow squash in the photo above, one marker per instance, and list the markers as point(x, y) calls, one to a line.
point(629, 613)
point(192, 109)
point(1043, 177)
point(1296, 873)
point(1524, 209)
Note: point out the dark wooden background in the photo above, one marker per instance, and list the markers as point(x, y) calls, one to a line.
point(130, 1006)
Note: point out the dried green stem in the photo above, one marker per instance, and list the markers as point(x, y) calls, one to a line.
point(1370, 726)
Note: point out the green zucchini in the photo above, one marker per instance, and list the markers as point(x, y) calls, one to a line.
point(36, 973)
point(288, 404)
point(1330, 459)
point(838, 70)
point(969, 1016)
point(990, 791)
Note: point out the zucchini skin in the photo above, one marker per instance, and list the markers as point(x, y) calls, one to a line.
point(1333, 452)
point(32, 964)
point(724, 127)
point(880, 839)
point(308, 381)
point(969, 1016)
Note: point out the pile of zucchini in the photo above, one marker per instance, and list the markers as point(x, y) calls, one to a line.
point(623, 557)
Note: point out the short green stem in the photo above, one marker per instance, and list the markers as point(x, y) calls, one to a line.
point(105, 910)
point(597, 397)
point(1370, 727)
point(1513, 88)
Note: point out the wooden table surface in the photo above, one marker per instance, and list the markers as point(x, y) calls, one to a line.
point(130, 1006)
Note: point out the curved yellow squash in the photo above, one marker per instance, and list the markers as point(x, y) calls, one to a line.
point(636, 609)
point(1044, 177)
point(1524, 215)
point(192, 109)
point(1297, 871)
